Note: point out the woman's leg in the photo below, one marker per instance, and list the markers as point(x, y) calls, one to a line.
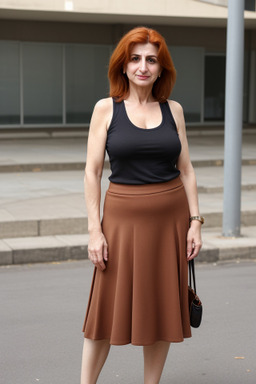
point(154, 359)
point(95, 353)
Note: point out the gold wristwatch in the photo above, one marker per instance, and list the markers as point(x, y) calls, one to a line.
point(199, 218)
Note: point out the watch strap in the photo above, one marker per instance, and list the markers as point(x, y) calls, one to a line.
point(199, 218)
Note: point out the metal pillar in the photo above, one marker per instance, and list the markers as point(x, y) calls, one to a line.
point(233, 119)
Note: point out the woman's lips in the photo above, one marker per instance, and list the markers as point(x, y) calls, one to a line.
point(141, 77)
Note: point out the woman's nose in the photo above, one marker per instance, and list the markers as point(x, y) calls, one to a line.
point(143, 65)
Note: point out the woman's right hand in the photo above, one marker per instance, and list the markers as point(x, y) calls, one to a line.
point(98, 249)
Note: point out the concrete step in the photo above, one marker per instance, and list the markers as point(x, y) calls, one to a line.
point(74, 247)
point(77, 166)
point(43, 227)
point(34, 206)
point(52, 203)
point(219, 248)
point(43, 249)
point(42, 167)
point(211, 179)
point(78, 225)
point(219, 189)
point(30, 185)
point(69, 153)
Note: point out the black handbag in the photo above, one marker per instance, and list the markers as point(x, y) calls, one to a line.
point(194, 303)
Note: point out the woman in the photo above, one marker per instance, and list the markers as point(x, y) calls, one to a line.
point(142, 246)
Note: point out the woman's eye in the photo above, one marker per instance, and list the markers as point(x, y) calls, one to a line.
point(151, 61)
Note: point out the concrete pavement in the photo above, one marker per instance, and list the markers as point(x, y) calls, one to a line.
point(69, 153)
point(42, 313)
point(43, 215)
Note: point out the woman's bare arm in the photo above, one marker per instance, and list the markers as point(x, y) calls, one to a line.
point(187, 175)
point(102, 114)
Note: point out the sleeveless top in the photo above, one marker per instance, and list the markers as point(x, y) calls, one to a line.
point(142, 156)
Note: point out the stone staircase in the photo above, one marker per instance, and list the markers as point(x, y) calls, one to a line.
point(43, 216)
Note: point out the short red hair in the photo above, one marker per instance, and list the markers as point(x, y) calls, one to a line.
point(119, 84)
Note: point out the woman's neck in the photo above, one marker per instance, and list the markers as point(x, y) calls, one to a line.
point(140, 95)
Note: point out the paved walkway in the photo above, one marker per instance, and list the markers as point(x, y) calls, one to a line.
point(42, 313)
point(41, 151)
point(36, 204)
point(49, 195)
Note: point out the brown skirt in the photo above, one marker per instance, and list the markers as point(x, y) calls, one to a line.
point(142, 296)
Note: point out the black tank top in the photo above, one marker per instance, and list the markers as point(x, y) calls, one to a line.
point(142, 156)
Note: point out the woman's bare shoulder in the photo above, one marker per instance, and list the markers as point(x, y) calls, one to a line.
point(176, 107)
point(104, 105)
point(103, 111)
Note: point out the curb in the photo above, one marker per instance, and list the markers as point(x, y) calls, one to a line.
point(74, 247)
point(213, 254)
point(43, 249)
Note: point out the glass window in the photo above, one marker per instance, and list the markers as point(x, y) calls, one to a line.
point(42, 79)
point(246, 85)
point(188, 90)
point(214, 88)
point(86, 80)
point(249, 5)
point(9, 83)
point(252, 88)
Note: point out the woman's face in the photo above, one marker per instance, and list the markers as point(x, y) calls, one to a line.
point(143, 67)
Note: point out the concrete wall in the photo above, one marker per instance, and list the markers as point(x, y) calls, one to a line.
point(210, 38)
point(171, 12)
point(216, 2)
point(213, 39)
point(182, 8)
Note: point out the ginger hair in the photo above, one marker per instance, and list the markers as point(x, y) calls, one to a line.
point(119, 84)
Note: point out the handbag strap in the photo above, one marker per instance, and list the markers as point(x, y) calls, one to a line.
point(191, 265)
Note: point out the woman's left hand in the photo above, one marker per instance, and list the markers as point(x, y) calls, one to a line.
point(194, 241)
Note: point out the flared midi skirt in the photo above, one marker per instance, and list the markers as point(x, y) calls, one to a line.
point(142, 295)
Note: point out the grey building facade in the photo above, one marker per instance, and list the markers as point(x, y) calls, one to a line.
point(53, 69)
